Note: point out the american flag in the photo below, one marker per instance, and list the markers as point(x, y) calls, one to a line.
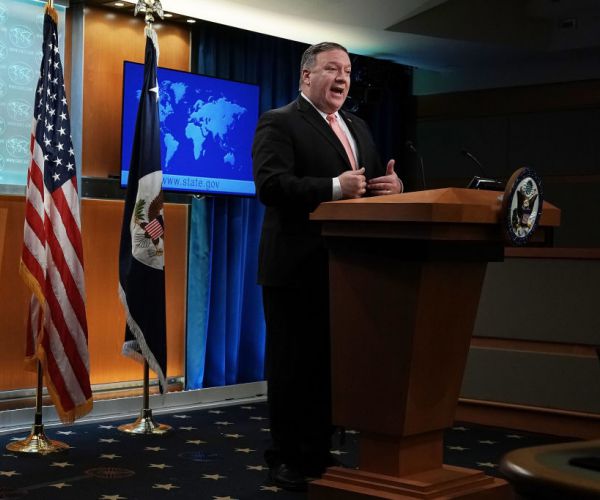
point(52, 256)
point(141, 255)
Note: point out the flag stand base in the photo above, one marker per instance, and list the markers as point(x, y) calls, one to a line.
point(37, 443)
point(145, 424)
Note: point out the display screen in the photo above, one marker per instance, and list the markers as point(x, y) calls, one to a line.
point(206, 130)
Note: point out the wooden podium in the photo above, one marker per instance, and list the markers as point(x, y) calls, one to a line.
point(406, 273)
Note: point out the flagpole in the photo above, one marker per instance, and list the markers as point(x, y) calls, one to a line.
point(37, 442)
point(145, 423)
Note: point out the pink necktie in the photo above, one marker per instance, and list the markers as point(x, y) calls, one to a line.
point(335, 126)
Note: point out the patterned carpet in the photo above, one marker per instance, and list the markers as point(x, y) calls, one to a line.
point(211, 454)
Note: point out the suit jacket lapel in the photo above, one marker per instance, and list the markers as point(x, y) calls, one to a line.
point(310, 114)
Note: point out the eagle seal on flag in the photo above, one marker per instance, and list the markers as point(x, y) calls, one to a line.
point(147, 227)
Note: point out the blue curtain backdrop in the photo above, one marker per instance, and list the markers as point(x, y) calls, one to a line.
point(225, 325)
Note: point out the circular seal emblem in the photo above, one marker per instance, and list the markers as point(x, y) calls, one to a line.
point(20, 74)
point(21, 36)
point(522, 206)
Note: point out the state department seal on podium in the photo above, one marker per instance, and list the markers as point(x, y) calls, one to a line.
point(522, 206)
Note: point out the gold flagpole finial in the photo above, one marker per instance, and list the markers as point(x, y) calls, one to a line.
point(149, 7)
point(51, 10)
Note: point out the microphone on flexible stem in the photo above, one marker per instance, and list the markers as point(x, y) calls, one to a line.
point(484, 182)
point(474, 159)
point(412, 149)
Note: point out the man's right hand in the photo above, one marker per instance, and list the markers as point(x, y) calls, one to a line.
point(353, 183)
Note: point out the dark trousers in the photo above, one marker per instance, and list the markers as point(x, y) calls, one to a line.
point(298, 370)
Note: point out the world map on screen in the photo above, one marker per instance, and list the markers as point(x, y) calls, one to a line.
point(208, 125)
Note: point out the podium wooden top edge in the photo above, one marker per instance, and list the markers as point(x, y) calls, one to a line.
point(445, 205)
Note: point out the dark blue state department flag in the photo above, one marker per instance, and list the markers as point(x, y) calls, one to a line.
point(141, 256)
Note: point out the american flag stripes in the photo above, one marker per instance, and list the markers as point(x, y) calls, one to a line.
point(141, 255)
point(52, 256)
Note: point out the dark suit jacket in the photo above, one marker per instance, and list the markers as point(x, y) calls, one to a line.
point(295, 156)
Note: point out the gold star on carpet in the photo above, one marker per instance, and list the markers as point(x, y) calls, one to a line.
point(248, 407)
point(112, 497)
point(214, 477)
point(167, 486)
point(487, 464)
point(487, 441)
point(65, 433)
point(108, 440)
point(195, 441)
point(188, 428)
point(457, 448)
point(265, 429)
point(159, 466)
point(9, 473)
point(216, 412)
point(258, 418)
point(110, 456)
point(338, 452)
point(60, 485)
point(514, 436)
point(274, 489)
point(181, 416)
point(61, 464)
point(256, 467)
point(224, 423)
point(234, 436)
point(154, 448)
point(106, 427)
point(244, 450)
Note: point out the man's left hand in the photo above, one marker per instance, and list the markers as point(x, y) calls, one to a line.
point(390, 183)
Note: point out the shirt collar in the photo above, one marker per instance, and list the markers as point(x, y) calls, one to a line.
point(324, 115)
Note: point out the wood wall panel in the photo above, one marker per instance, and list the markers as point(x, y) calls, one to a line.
point(111, 38)
point(101, 226)
point(14, 297)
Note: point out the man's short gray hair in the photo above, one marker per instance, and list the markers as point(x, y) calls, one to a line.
point(310, 55)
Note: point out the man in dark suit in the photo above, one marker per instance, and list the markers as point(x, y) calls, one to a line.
point(305, 153)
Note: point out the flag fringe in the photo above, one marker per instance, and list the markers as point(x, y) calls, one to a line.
point(146, 354)
point(51, 11)
point(31, 362)
point(32, 283)
point(66, 416)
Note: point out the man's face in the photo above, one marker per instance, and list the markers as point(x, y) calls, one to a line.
point(327, 83)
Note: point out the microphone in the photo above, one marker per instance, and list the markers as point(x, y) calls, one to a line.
point(473, 158)
point(484, 182)
point(411, 147)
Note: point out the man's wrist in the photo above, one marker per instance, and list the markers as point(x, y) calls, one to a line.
point(336, 189)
